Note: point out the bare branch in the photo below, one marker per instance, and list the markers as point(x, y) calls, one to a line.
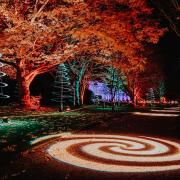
point(35, 7)
point(39, 12)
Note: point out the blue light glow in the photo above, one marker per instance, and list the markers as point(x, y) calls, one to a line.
point(101, 89)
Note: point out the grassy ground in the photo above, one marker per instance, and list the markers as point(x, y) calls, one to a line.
point(18, 164)
point(20, 129)
point(25, 126)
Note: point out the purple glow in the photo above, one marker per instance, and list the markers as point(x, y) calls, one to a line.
point(101, 89)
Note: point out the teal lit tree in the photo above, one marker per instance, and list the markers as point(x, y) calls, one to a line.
point(79, 69)
point(150, 95)
point(161, 89)
point(62, 89)
point(115, 81)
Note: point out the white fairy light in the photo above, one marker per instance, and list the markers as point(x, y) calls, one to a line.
point(2, 85)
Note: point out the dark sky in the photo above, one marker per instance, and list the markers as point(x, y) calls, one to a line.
point(169, 46)
point(170, 54)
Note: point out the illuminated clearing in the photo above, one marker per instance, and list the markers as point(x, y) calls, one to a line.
point(115, 153)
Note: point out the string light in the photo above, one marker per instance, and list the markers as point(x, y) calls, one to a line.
point(2, 85)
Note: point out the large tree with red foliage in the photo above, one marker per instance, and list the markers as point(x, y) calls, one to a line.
point(38, 35)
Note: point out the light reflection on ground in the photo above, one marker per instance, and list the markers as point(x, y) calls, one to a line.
point(155, 114)
point(165, 110)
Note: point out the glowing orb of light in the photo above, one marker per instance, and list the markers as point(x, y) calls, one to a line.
point(115, 153)
point(68, 109)
point(155, 114)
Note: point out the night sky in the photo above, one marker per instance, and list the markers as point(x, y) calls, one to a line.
point(169, 49)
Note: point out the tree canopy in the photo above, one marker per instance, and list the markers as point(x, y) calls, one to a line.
point(38, 35)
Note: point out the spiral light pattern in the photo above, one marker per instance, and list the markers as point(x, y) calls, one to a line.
point(2, 85)
point(114, 153)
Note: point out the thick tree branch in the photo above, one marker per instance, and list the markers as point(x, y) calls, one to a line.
point(40, 70)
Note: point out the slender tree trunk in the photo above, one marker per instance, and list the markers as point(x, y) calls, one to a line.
point(113, 106)
point(113, 101)
point(77, 91)
point(134, 101)
point(83, 88)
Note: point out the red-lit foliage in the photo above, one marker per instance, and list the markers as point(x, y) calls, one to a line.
point(38, 35)
point(140, 81)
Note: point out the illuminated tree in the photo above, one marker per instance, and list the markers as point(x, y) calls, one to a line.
point(78, 69)
point(38, 35)
point(161, 89)
point(62, 89)
point(150, 95)
point(115, 81)
point(141, 78)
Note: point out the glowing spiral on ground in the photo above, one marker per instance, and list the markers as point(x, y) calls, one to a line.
point(114, 153)
point(2, 85)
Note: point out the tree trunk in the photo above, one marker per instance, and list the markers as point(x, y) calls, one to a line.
point(24, 91)
point(83, 88)
point(77, 91)
point(113, 106)
point(25, 98)
point(134, 101)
